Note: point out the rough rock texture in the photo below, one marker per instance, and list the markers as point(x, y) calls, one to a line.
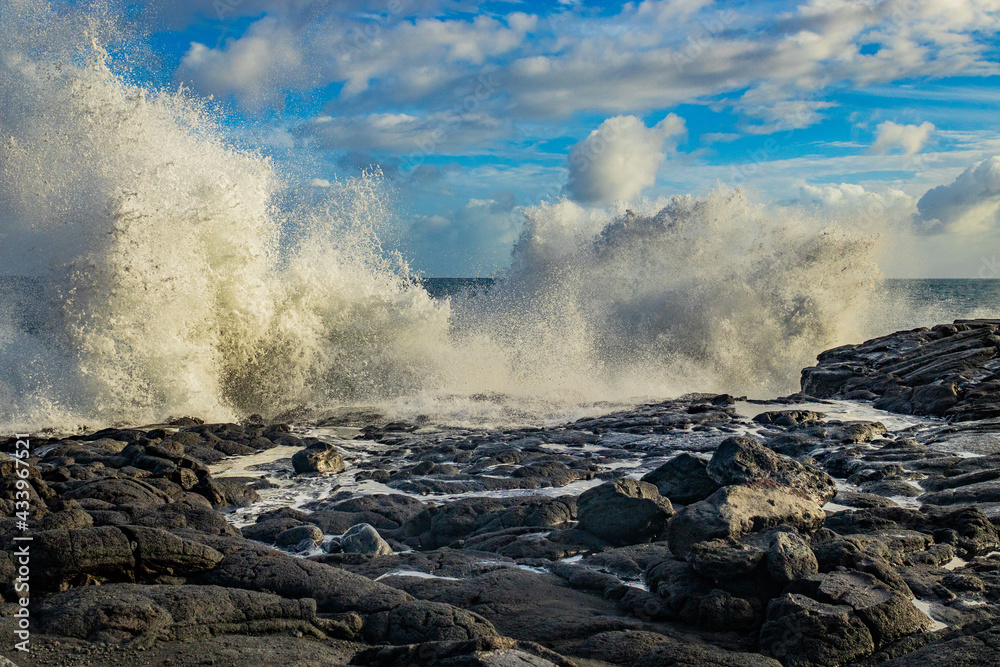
point(944, 371)
point(624, 512)
point(800, 631)
point(320, 457)
point(740, 460)
point(364, 539)
point(683, 480)
point(143, 614)
point(734, 511)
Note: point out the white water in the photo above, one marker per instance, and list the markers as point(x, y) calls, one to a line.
point(174, 284)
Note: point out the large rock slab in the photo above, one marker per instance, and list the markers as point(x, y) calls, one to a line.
point(948, 370)
point(683, 479)
point(131, 613)
point(334, 590)
point(624, 512)
point(739, 460)
point(116, 554)
point(735, 511)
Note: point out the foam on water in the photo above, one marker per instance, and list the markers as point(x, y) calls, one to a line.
point(172, 282)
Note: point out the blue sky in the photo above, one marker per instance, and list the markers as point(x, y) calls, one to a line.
point(476, 110)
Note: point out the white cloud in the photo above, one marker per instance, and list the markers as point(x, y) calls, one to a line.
point(619, 159)
point(909, 138)
point(969, 205)
point(254, 69)
point(402, 133)
point(888, 205)
point(774, 69)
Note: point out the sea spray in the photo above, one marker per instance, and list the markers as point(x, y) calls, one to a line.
point(168, 279)
point(712, 294)
point(161, 285)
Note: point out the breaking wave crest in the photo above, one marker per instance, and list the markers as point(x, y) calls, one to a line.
point(166, 280)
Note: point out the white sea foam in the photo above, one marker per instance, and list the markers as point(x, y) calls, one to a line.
point(172, 282)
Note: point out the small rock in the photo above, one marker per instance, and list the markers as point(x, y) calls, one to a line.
point(293, 536)
point(790, 557)
point(364, 539)
point(319, 457)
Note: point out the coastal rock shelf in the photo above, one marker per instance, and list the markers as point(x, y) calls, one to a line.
point(951, 370)
point(853, 524)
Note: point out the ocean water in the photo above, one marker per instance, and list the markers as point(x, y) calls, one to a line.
point(946, 299)
point(920, 295)
point(171, 275)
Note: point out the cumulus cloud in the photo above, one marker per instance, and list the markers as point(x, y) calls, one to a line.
point(619, 159)
point(909, 138)
point(888, 205)
point(255, 69)
point(969, 205)
point(774, 69)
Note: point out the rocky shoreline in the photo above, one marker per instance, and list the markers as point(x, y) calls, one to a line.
point(700, 531)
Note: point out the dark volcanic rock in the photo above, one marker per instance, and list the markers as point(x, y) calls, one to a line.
point(479, 652)
point(734, 511)
point(334, 590)
point(788, 418)
point(789, 557)
point(887, 613)
point(267, 531)
point(683, 479)
point(944, 371)
point(739, 460)
point(719, 559)
point(364, 539)
point(293, 536)
point(680, 593)
point(120, 492)
point(226, 493)
point(637, 648)
point(624, 512)
point(525, 605)
point(440, 526)
point(319, 457)
point(112, 553)
point(802, 632)
point(131, 613)
point(419, 621)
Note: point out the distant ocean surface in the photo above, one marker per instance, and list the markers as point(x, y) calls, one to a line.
point(959, 296)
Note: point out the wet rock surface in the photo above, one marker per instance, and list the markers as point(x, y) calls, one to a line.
point(854, 524)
